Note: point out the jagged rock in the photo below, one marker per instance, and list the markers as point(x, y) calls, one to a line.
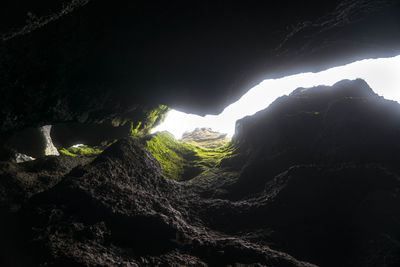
point(330, 215)
point(20, 181)
point(63, 64)
point(69, 134)
point(29, 141)
point(344, 123)
point(119, 209)
point(318, 169)
point(36, 142)
point(50, 149)
point(205, 137)
point(19, 158)
point(314, 176)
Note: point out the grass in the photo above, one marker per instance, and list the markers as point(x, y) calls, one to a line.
point(183, 161)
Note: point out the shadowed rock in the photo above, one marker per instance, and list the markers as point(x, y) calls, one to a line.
point(120, 204)
point(313, 178)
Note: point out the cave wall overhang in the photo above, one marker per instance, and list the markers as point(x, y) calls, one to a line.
point(102, 61)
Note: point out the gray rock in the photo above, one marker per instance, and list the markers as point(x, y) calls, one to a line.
point(19, 158)
point(50, 149)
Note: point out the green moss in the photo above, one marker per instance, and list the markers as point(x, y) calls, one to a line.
point(135, 131)
point(155, 117)
point(151, 119)
point(65, 151)
point(183, 161)
point(84, 150)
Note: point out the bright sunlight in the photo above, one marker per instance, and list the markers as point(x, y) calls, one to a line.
point(382, 75)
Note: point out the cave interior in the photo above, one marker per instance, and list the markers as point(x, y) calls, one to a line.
point(312, 179)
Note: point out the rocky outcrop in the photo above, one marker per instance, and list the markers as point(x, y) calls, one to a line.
point(320, 160)
point(344, 123)
point(91, 134)
point(59, 62)
point(205, 137)
point(36, 142)
point(120, 210)
point(313, 180)
point(19, 158)
point(20, 181)
point(50, 149)
point(315, 176)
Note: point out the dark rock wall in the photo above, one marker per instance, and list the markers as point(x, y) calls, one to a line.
point(316, 180)
point(318, 174)
point(118, 209)
point(344, 123)
point(322, 167)
point(98, 61)
point(69, 134)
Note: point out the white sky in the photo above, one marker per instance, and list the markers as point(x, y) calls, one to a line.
point(382, 75)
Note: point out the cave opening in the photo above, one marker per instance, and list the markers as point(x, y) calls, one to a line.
point(188, 145)
point(381, 74)
point(122, 144)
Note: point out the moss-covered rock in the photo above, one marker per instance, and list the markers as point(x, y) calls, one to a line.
point(140, 126)
point(183, 161)
point(84, 150)
point(152, 119)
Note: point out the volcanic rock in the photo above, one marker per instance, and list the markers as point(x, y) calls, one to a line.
point(120, 210)
point(19, 158)
point(313, 179)
point(59, 62)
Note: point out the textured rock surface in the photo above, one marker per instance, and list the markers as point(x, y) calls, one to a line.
point(120, 210)
point(316, 176)
point(59, 62)
point(20, 181)
point(50, 149)
point(318, 182)
point(205, 137)
point(19, 158)
point(36, 142)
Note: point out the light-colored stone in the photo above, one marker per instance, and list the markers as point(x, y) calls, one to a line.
point(19, 158)
point(50, 149)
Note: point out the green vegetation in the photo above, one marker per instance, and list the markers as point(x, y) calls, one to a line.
point(144, 123)
point(152, 119)
point(135, 131)
point(179, 160)
point(84, 150)
point(155, 117)
point(81, 151)
point(183, 161)
point(205, 137)
point(211, 144)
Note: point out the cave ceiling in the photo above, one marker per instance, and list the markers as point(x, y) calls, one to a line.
point(86, 60)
